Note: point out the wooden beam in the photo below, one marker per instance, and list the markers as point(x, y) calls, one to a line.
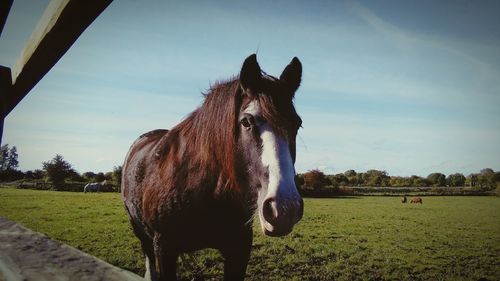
point(4, 12)
point(61, 24)
point(5, 88)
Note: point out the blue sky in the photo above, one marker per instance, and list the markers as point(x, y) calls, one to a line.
point(406, 87)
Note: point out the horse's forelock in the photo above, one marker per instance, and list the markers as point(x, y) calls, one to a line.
point(278, 109)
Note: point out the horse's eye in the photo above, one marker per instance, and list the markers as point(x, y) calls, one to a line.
point(246, 122)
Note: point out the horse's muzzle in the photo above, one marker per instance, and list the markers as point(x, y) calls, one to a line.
point(278, 218)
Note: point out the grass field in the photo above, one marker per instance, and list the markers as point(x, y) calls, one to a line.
point(358, 238)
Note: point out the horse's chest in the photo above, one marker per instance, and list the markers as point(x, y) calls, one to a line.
point(202, 225)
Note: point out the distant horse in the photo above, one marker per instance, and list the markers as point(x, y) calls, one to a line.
point(404, 200)
point(416, 200)
point(198, 185)
point(92, 187)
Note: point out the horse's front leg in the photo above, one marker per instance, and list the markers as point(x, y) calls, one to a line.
point(236, 255)
point(166, 260)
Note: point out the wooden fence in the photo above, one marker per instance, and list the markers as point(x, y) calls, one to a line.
point(60, 26)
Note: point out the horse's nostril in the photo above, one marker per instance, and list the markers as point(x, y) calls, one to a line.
point(270, 210)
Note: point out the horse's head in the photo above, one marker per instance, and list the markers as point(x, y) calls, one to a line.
point(268, 125)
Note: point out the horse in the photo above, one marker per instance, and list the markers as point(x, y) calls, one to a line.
point(199, 184)
point(404, 200)
point(416, 200)
point(92, 187)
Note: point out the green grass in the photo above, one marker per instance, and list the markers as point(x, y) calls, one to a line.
point(362, 238)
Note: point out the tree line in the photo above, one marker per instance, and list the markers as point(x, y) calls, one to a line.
point(56, 173)
point(60, 173)
point(486, 179)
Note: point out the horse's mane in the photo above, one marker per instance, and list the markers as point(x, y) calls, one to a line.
point(211, 134)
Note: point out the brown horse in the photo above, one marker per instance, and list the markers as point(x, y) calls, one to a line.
point(198, 185)
point(416, 200)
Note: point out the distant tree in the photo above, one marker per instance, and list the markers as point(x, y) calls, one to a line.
point(456, 179)
point(351, 176)
point(58, 170)
point(386, 179)
point(89, 176)
point(358, 180)
point(4, 155)
point(9, 164)
point(75, 176)
point(28, 175)
point(8, 158)
point(12, 159)
point(488, 171)
point(38, 174)
point(486, 179)
point(417, 181)
point(100, 177)
point(117, 175)
point(339, 180)
point(315, 179)
point(34, 175)
point(332, 181)
point(472, 180)
point(350, 173)
point(11, 175)
point(376, 178)
point(436, 179)
point(397, 181)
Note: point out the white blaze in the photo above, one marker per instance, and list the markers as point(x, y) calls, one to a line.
point(276, 157)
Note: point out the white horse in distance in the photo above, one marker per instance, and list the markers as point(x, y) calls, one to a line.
point(93, 187)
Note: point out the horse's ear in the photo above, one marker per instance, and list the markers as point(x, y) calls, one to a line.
point(292, 75)
point(250, 74)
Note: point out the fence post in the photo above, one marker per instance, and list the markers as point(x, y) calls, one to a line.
point(4, 12)
point(5, 89)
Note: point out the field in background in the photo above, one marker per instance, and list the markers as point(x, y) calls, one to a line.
point(350, 238)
